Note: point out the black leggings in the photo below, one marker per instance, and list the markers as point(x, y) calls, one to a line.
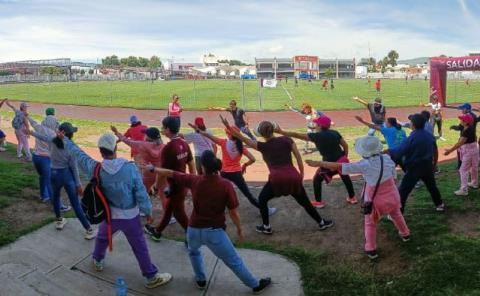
point(237, 179)
point(317, 186)
point(302, 199)
point(437, 120)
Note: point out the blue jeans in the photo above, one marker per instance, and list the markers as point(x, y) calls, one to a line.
point(217, 240)
point(247, 132)
point(42, 165)
point(64, 178)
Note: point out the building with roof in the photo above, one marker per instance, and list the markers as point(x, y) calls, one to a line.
point(340, 68)
point(274, 67)
point(305, 66)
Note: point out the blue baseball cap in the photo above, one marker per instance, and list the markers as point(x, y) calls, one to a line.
point(466, 106)
point(133, 119)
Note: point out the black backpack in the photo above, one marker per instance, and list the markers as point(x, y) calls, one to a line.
point(95, 204)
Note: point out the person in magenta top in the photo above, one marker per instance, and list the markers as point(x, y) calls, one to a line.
point(284, 178)
point(212, 196)
point(176, 156)
point(232, 153)
point(174, 109)
point(136, 133)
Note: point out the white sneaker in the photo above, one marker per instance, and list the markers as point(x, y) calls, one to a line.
point(158, 280)
point(473, 185)
point(172, 221)
point(2, 149)
point(461, 192)
point(60, 223)
point(90, 234)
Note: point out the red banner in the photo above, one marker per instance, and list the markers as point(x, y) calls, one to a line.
point(440, 66)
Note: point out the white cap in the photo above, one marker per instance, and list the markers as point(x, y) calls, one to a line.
point(368, 146)
point(107, 141)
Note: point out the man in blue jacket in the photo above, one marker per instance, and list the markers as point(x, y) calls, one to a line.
point(122, 185)
point(418, 152)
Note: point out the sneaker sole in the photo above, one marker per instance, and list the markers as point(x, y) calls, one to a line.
point(323, 227)
point(263, 290)
point(159, 283)
point(155, 239)
point(264, 232)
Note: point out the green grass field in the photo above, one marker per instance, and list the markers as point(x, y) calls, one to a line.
point(202, 94)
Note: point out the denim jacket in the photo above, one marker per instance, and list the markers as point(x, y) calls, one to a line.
point(123, 189)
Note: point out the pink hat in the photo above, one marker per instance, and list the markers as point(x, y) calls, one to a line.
point(467, 118)
point(323, 121)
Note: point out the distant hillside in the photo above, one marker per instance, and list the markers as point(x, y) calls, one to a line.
point(415, 61)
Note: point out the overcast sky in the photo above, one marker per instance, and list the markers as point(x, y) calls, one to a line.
point(89, 30)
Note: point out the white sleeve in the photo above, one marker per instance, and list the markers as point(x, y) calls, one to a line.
point(355, 167)
point(189, 137)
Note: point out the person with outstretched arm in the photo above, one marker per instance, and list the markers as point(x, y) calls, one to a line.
point(284, 179)
point(378, 171)
point(377, 112)
point(332, 147)
point(21, 126)
point(232, 152)
point(436, 117)
point(176, 156)
point(239, 118)
point(310, 115)
point(467, 147)
point(418, 151)
point(123, 187)
point(212, 196)
point(64, 174)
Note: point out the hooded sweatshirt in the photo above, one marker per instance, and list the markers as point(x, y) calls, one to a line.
point(48, 127)
point(120, 182)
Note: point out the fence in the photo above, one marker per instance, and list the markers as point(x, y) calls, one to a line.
point(201, 94)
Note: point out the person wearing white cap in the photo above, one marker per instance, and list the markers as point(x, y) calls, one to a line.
point(20, 124)
point(127, 197)
point(380, 191)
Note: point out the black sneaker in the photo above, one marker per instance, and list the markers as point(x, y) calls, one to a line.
point(372, 254)
point(325, 224)
point(405, 238)
point(148, 229)
point(263, 229)
point(263, 284)
point(201, 285)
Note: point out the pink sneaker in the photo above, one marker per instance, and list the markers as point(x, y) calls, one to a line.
point(318, 204)
point(352, 200)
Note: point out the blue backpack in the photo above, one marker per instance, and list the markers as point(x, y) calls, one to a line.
point(17, 122)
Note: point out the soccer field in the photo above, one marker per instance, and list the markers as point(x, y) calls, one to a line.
point(201, 94)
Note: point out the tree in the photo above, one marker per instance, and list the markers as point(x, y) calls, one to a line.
point(329, 72)
point(111, 61)
point(52, 70)
point(392, 57)
point(82, 72)
point(124, 61)
point(154, 62)
point(143, 62)
point(232, 62)
point(90, 71)
point(372, 65)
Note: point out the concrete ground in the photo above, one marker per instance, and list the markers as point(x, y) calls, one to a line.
point(51, 262)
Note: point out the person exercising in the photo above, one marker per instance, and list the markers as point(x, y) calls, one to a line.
point(239, 117)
